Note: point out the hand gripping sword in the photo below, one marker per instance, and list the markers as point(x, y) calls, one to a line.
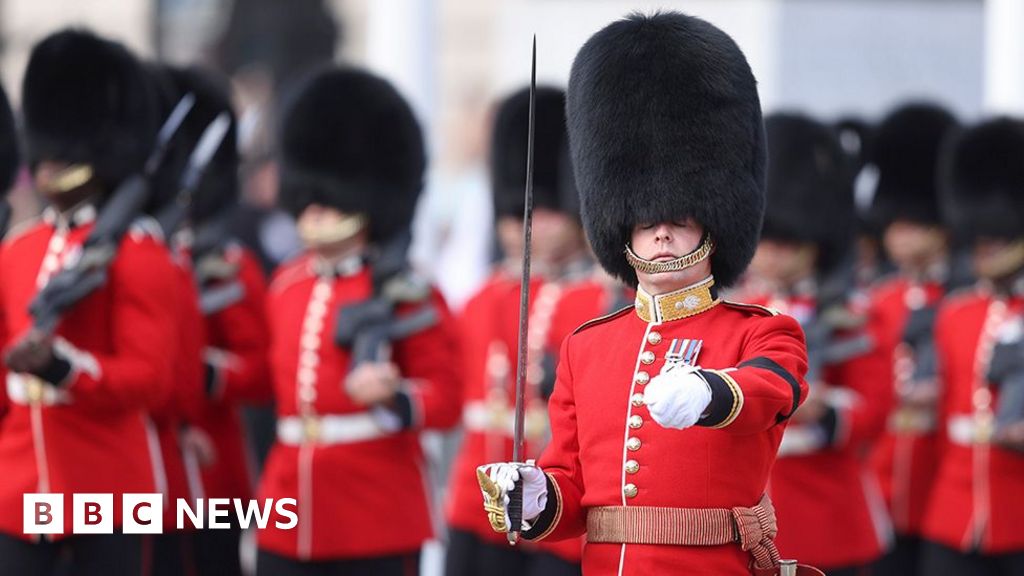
point(515, 504)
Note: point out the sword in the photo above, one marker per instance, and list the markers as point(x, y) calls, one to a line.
point(515, 504)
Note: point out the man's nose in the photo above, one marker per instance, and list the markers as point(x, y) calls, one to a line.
point(662, 233)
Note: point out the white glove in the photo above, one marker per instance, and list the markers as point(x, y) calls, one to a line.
point(498, 479)
point(678, 396)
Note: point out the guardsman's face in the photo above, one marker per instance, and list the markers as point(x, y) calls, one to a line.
point(557, 237)
point(330, 231)
point(783, 264)
point(48, 176)
point(664, 241)
point(912, 245)
point(997, 258)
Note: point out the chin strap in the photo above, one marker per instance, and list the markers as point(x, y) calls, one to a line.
point(324, 234)
point(699, 254)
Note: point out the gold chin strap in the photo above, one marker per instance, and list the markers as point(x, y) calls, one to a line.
point(700, 254)
point(69, 178)
point(314, 235)
point(1006, 262)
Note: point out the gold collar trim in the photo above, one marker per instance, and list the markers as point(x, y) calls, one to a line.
point(682, 303)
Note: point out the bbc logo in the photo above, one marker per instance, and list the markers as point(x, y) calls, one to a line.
point(143, 513)
point(93, 514)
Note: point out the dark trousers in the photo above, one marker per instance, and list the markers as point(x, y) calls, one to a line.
point(903, 560)
point(270, 564)
point(216, 552)
point(468, 555)
point(939, 560)
point(172, 554)
point(81, 555)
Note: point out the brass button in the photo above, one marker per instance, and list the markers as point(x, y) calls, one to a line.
point(34, 389)
point(654, 338)
point(647, 357)
point(630, 490)
point(642, 377)
point(632, 466)
point(633, 444)
point(637, 399)
point(635, 421)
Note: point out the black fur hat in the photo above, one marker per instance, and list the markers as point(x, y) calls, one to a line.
point(509, 147)
point(218, 188)
point(87, 100)
point(905, 151)
point(349, 140)
point(9, 160)
point(665, 123)
point(983, 177)
point(810, 192)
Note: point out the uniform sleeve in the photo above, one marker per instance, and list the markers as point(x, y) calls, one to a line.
point(859, 418)
point(5, 402)
point(237, 357)
point(432, 394)
point(137, 371)
point(563, 517)
point(766, 386)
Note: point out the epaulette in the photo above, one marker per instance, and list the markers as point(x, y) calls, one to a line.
point(603, 319)
point(20, 229)
point(146, 227)
point(290, 273)
point(755, 308)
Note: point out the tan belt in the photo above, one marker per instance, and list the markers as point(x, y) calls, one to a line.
point(753, 528)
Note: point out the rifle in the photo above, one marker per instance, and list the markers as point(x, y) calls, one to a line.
point(88, 273)
point(1006, 371)
point(369, 327)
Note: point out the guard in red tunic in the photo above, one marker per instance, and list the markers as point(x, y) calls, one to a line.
point(972, 523)
point(363, 354)
point(906, 208)
point(490, 327)
point(9, 162)
point(78, 421)
point(830, 512)
point(231, 298)
point(666, 416)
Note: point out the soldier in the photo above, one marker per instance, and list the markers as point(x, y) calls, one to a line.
point(489, 330)
point(9, 162)
point(78, 419)
point(232, 298)
point(349, 415)
point(805, 261)
point(972, 522)
point(906, 208)
point(656, 406)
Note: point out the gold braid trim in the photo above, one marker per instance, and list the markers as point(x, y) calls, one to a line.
point(737, 399)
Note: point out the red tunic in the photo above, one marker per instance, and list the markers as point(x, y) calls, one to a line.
point(119, 337)
point(906, 456)
point(237, 353)
point(606, 451)
point(977, 501)
point(830, 510)
point(361, 498)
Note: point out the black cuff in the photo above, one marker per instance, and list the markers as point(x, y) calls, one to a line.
point(829, 422)
point(401, 406)
point(543, 523)
point(210, 379)
point(722, 400)
point(56, 372)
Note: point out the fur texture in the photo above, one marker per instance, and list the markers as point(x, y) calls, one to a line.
point(87, 100)
point(983, 169)
point(508, 153)
point(349, 140)
point(905, 151)
point(9, 159)
point(665, 123)
point(809, 195)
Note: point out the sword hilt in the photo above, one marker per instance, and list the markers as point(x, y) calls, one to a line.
point(515, 511)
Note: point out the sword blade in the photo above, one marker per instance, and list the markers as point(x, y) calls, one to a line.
point(516, 499)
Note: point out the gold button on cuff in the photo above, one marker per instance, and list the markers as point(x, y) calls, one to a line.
point(635, 421)
point(654, 338)
point(630, 490)
point(647, 357)
point(642, 377)
point(632, 467)
point(633, 444)
point(637, 399)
